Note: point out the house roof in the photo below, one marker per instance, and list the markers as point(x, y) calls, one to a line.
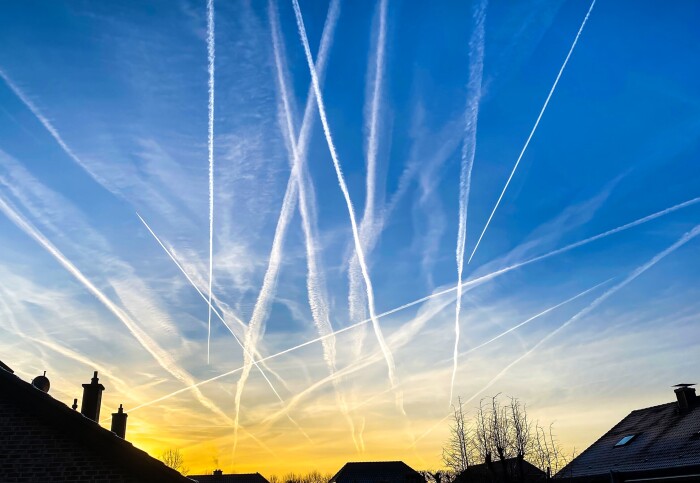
point(663, 437)
point(85, 432)
point(230, 478)
point(482, 472)
point(374, 471)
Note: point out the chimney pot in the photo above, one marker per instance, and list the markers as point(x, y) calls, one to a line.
point(685, 394)
point(75, 404)
point(119, 422)
point(92, 399)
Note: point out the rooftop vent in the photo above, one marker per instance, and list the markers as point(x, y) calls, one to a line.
point(42, 383)
point(685, 394)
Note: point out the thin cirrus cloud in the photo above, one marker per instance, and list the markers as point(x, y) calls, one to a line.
point(304, 258)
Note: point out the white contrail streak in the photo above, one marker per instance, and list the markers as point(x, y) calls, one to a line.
point(476, 70)
point(47, 125)
point(162, 357)
point(204, 297)
point(246, 352)
point(368, 227)
point(583, 312)
point(534, 128)
point(343, 187)
point(315, 281)
point(211, 44)
point(472, 282)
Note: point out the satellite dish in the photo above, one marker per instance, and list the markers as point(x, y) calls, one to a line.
point(42, 383)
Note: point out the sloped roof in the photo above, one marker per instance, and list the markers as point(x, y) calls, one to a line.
point(376, 471)
point(482, 472)
point(82, 431)
point(230, 478)
point(664, 438)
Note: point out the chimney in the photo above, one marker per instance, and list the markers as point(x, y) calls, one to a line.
point(92, 399)
point(119, 422)
point(75, 405)
point(685, 394)
point(218, 473)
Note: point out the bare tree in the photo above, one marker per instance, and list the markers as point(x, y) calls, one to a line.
point(547, 452)
point(497, 434)
point(520, 427)
point(173, 458)
point(456, 453)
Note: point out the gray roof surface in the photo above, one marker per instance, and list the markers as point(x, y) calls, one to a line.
point(664, 438)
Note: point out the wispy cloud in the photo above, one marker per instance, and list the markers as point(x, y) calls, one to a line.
point(476, 70)
point(351, 212)
point(534, 128)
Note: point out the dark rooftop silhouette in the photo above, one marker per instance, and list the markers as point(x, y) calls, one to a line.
point(220, 477)
point(377, 472)
point(660, 440)
point(495, 472)
point(42, 439)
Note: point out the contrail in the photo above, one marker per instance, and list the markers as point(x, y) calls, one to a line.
point(536, 316)
point(475, 281)
point(204, 297)
point(476, 70)
point(343, 187)
point(211, 44)
point(400, 339)
point(585, 311)
point(47, 125)
point(162, 357)
point(534, 128)
point(315, 281)
point(246, 352)
point(368, 229)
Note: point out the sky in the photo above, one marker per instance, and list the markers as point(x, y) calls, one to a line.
point(331, 171)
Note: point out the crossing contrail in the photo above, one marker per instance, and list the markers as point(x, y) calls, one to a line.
point(476, 70)
point(204, 297)
point(211, 45)
point(582, 313)
point(534, 128)
point(466, 283)
point(162, 357)
point(316, 285)
point(343, 187)
point(246, 352)
point(369, 229)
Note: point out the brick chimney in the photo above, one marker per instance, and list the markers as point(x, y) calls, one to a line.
point(685, 394)
point(119, 422)
point(92, 399)
point(218, 473)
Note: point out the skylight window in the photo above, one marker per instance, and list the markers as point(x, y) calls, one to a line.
point(625, 440)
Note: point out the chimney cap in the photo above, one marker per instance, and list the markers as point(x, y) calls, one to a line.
point(684, 384)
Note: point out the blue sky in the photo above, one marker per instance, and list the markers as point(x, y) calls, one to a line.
point(104, 114)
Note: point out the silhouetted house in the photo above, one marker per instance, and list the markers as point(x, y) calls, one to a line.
point(657, 444)
point(507, 471)
point(220, 477)
point(377, 472)
point(42, 439)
